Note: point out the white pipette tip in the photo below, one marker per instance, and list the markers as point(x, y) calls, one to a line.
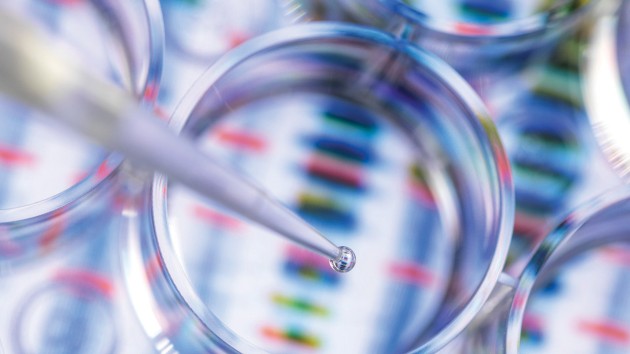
point(345, 261)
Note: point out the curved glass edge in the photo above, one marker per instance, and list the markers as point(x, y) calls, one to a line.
point(554, 17)
point(168, 318)
point(47, 208)
point(44, 234)
point(153, 12)
point(556, 241)
point(205, 320)
point(281, 37)
point(484, 129)
point(606, 104)
point(504, 201)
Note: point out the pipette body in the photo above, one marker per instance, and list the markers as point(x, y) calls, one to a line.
point(31, 72)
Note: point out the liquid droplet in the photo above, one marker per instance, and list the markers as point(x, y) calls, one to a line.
point(345, 261)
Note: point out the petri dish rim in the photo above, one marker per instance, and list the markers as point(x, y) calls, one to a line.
point(608, 110)
point(150, 78)
point(525, 27)
point(555, 242)
point(484, 130)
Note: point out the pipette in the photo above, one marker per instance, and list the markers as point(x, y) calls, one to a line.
point(33, 73)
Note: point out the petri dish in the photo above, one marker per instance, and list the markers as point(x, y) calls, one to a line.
point(39, 162)
point(72, 301)
point(479, 38)
point(571, 297)
point(58, 192)
point(375, 142)
point(49, 177)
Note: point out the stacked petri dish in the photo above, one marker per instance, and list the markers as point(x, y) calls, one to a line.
point(46, 171)
point(328, 118)
point(483, 40)
point(58, 267)
point(582, 261)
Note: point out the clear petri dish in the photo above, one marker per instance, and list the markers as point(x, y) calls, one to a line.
point(478, 37)
point(375, 142)
point(572, 295)
point(72, 301)
point(49, 177)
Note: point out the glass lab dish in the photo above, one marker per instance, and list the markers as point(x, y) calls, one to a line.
point(50, 178)
point(478, 37)
point(375, 142)
point(72, 301)
point(572, 295)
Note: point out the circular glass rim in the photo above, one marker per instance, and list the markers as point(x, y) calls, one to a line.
point(151, 78)
point(507, 30)
point(554, 242)
point(295, 34)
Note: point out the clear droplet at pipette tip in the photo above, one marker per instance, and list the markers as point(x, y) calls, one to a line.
point(345, 261)
point(270, 213)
